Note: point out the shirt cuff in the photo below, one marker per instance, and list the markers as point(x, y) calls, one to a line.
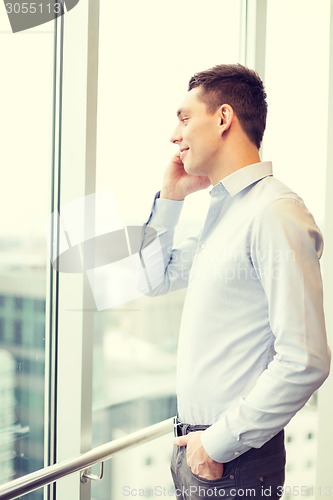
point(165, 213)
point(220, 444)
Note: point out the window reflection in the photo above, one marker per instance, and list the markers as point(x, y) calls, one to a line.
point(27, 83)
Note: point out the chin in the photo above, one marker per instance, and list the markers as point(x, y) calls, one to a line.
point(187, 169)
point(194, 171)
point(190, 170)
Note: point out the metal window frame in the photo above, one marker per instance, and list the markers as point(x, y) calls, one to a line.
point(51, 351)
point(253, 35)
point(69, 404)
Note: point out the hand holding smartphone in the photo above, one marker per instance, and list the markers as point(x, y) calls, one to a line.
point(177, 183)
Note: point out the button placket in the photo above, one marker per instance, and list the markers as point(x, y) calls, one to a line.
point(218, 196)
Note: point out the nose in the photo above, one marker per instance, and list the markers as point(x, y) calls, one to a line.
point(176, 137)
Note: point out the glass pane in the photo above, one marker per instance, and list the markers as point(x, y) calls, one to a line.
point(296, 78)
point(26, 159)
point(148, 52)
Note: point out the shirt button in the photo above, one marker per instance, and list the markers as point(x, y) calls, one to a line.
point(236, 453)
point(202, 246)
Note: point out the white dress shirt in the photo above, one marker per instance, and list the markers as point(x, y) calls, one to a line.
point(252, 344)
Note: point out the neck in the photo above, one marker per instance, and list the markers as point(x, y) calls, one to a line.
point(237, 159)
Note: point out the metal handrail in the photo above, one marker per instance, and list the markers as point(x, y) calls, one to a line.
point(52, 473)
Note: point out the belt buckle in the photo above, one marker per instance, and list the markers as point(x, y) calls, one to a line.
point(175, 426)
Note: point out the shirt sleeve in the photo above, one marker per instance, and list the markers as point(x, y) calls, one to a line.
point(166, 268)
point(285, 250)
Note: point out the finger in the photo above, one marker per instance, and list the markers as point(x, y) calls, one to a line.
point(181, 441)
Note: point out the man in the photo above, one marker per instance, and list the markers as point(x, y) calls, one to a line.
point(252, 345)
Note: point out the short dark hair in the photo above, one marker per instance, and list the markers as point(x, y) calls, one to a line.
point(240, 87)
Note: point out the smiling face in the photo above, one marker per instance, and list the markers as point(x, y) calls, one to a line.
point(198, 135)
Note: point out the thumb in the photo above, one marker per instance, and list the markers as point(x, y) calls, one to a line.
point(181, 441)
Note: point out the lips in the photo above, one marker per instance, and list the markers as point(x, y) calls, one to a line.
point(183, 152)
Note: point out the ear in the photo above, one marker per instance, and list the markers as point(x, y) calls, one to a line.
point(226, 116)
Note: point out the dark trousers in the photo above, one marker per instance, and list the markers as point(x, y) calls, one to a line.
point(258, 473)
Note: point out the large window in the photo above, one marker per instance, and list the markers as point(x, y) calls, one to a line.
point(26, 164)
point(88, 105)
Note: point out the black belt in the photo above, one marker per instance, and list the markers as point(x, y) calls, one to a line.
point(181, 429)
point(274, 445)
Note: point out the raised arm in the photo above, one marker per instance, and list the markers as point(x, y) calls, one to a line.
point(167, 268)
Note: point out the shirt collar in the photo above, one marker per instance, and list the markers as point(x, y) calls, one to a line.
point(244, 177)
